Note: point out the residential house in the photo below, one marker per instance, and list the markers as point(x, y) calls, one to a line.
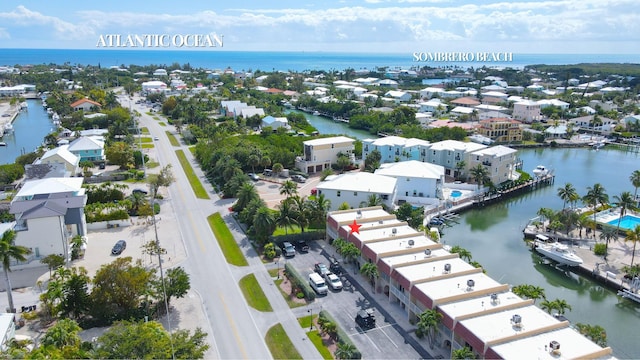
point(556, 132)
point(433, 106)
point(319, 154)
point(492, 114)
point(160, 72)
point(7, 330)
point(527, 111)
point(275, 122)
point(87, 148)
point(49, 213)
point(85, 105)
point(494, 97)
point(419, 183)
point(500, 162)
point(594, 123)
point(395, 148)
point(604, 105)
point(355, 188)
point(153, 86)
point(430, 92)
point(249, 111)
point(451, 153)
point(631, 120)
point(387, 83)
point(61, 155)
point(398, 96)
point(466, 102)
point(501, 130)
point(553, 102)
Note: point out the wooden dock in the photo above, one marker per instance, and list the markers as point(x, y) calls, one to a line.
point(532, 184)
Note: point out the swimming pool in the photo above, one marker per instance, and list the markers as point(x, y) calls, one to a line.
point(456, 193)
point(628, 222)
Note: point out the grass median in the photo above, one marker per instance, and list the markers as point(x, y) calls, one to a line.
point(227, 243)
point(280, 345)
point(172, 139)
point(254, 294)
point(196, 185)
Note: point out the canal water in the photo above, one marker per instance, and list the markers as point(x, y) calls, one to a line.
point(326, 126)
point(29, 129)
point(494, 237)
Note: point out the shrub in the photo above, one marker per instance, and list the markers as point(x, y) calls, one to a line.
point(343, 338)
point(600, 249)
point(269, 251)
point(300, 295)
point(300, 282)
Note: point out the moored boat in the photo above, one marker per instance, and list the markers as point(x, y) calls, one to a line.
point(540, 171)
point(556, 251)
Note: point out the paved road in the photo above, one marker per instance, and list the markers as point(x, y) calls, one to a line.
point(237, 331)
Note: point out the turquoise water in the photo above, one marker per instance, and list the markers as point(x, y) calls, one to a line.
point(29, 130)
point(275, 60)
point(455, 193)
point(628, 222)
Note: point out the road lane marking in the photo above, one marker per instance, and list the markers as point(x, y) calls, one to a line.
point(233, 326)
point(191, 220)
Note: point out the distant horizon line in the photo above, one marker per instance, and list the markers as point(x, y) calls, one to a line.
point(300, 51)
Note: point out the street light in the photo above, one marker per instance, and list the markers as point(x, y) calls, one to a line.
point(278, 269)
point(310, 311)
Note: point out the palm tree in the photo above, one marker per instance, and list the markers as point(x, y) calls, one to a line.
point(265, 161)
point(428, 322)
point(246, 194)
point(548, 306)
point(529, 292)
point(264, 224)
point(345, 351)
point(460, 165)
point(302, 211)
point(568, 194)
point(463, 353)
point(608, 233)
point(480, 174)
point(8, 252)
point(318, 209)
point(372, 200)
point(463, 253)
point(288, 188)
point(635, 181)
point(286, 215)
point(277, 168)
point(253, 160)
point(625, 201)
point(545, 214)
point(595, 195)
point(634, 236)
point(561, 305)
point(370, 271)
point(596, 333)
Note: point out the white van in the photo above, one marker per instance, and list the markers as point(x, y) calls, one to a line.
point(318, 284)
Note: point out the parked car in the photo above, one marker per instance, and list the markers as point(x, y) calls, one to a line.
point(288, 250)
point(298, 178)
point(335, 267)
point(333, 281)
point(321, 269)
point(318, 284)
point(254, 176)
point(365, 319)
point(156, 138)
point(119, 247)
point(140, 191)
point(302, 246)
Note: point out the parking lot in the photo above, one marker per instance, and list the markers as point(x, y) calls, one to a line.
point(384, 341)
point(269, 188)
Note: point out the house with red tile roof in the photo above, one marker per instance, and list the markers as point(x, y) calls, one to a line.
point(85, 105)
point(466, 102)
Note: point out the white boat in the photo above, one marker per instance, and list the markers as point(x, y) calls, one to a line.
point(556, 251)
point(8, 128)
point(540, 171)
point(597, 145)
point(632, 292)
point(316, 113)
point(3, 144)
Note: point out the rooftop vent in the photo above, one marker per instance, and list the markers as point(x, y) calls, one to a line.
point(411, 242)
point(555, 347)
point(380, 221)
point(516, 321)
point(494, 298)
point(447, 268)
point(359, 214)
point(470, 284)
point(427, 252)
point(394, 231)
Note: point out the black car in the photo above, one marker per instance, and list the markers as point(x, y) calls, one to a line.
point(321, 269)
point(140, 191)
point(119, 247)
point(335, 267)
point(302, 246)
point(365, 319)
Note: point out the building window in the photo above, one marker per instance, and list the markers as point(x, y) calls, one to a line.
point(338, 193)
point(355, 193)
point(332, 146)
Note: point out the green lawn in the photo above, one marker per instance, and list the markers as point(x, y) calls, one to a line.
point(196, 185)
point(148, 146)
point(146, 139)
point(254, 294)
point(292, 304)
point(152, 164)
point(280, 345)
point(172, 139)
point(226, 241)
point(293, 229)
point(145, 131)
point(162, 123)
point(316, 339)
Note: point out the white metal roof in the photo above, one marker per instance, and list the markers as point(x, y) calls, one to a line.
point(329, 140)
point(360, 181)
point(412, 169)
point(50, 186)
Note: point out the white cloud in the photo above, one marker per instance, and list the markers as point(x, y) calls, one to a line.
point(25, 17)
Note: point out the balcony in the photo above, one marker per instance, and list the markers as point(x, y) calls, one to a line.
point(486, 163)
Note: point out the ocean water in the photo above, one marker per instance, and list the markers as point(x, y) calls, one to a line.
point(281, 61)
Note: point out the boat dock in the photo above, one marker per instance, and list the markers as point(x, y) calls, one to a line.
point(532, 184)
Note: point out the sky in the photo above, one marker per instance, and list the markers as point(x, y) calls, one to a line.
point(370, 26)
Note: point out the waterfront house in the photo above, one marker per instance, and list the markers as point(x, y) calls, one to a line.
point(527, 111)
point(418, 183)
point(61, 155)
point(87, 148)
point(501, 130)
point(85, 105)
point(433, 106)
point(594, 123)
point(398, 96)
point(556, 132)
point(449, 153)
point(395, 148)
point(468, 102)
point(355, 188)
point(500, 162)
point(417, 274)
point(275, 122)
point(49, 212)
point(319, 154)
